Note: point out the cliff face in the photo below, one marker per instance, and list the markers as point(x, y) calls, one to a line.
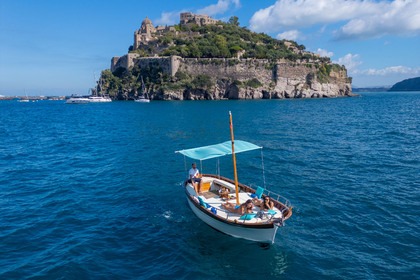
point(245, 79)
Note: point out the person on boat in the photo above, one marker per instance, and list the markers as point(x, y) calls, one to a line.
point(195, 178)
point(264, 204)
point(244, 208)
point(224, 193)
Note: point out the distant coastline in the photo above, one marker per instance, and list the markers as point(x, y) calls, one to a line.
point(412, 84)
point(371, 89)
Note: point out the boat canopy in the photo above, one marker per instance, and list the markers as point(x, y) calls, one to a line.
point(218, 150)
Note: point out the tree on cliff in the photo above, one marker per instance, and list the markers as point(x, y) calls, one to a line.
point(234, 20)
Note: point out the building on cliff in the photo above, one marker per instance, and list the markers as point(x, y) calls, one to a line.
point(147, 32)
point(200, 20)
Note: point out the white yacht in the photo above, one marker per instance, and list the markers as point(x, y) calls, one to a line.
point(94, 99)
point(77, 100)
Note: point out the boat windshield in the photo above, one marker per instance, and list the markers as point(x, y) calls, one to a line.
point(218, 150)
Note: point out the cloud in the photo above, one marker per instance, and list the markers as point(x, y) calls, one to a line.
point(356, 18)
point(391, 70)
point(168, 18)
point(324, 53)
point(400, 17)
point(351, 61)
point(220, 7)
point(289, 35)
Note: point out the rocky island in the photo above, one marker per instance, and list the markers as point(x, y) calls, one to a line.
point(205, 59)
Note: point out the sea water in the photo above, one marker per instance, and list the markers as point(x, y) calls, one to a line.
point(94, 191)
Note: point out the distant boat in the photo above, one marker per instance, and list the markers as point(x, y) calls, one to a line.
point(242, 216)
point(75, 99)
point(143, 95)
point(94, 99)
point(142, 99)
point(26, 99)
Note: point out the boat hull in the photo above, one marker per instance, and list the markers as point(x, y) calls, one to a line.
point(142, 100)
point(238, 230)
point(77, 100)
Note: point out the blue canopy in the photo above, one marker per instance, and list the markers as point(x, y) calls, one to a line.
point(218, 150)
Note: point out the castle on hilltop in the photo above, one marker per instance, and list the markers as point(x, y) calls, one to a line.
point(147, 32)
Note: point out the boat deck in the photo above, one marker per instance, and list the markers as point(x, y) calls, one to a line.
point(212, 198)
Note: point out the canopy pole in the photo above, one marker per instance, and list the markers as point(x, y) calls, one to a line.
point(185, 166)
point(262, 163)
point(234, 158)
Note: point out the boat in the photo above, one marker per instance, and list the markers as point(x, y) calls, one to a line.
point(142, 97)
point(208, 204)
point(94, 99)
point(98, 98)
point(74, 99)
point(24, 99)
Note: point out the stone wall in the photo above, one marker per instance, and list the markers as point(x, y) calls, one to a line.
point(283, 79)
point(126, 61)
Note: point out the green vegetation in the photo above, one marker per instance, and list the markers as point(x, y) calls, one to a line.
point(407, 85)
point(254, 83)
point(224, 40)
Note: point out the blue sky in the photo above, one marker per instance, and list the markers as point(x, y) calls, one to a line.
point(60, 47)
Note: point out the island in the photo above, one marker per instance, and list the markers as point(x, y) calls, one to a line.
point(412, 84)
point(202, 58)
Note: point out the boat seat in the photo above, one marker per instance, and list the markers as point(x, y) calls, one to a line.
point(227, 185)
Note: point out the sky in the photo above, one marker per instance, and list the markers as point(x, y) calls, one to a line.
point(51, 47)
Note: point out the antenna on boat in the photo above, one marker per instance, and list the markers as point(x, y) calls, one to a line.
point(234, 158)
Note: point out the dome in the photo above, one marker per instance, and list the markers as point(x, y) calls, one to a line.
point(146, 21)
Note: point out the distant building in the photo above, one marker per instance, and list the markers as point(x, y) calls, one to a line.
point(144, 34)
point(201, 20)
point(149, 33)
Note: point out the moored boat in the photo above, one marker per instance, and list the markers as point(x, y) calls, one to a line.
point(209, 204)
point(97, 99)
point(142, 99)
point(77, 100)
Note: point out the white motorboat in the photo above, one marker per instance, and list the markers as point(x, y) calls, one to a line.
point(142, 99)
point(94, 99)
point(209, 205)
point(77, 100)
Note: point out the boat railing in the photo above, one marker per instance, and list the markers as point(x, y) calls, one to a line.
point(279, 198)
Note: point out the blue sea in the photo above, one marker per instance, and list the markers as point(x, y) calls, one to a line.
point(94, 191)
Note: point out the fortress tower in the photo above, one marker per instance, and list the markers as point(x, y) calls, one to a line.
point(145, 33)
